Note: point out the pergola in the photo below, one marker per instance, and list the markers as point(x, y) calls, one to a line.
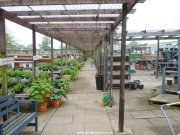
point(150, 35)
point(84, 24)
point(81, 23)
point(154, 35)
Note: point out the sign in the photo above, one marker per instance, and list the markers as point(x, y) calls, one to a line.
point(6, 61)
point(37, 57)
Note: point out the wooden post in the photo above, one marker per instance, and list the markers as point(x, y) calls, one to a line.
point(52, 60)
point(62, 58)
point(34, 50)
point(111, 69)
point(122, 77)
point(157, 60)
point(178, 84)
point(163, 80)
point(104, 66)
point(66, 54)
point(3, 53)
point(100, 59)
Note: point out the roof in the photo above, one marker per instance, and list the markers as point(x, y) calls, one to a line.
point(80, 23)
point(150, 35)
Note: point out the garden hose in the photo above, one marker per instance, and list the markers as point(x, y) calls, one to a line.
point(105, 99)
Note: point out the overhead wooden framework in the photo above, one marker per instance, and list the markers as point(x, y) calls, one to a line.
point(150, 35)
point(80, 23)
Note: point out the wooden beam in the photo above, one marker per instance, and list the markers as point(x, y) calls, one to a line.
point(72, 29)
point(24, 23)
point(67, 19)
point(69, 12)
point(87, 32)
point(72, 25)
point(57, 2)
point(17, 20)
point(131, 4)
point(149, 34)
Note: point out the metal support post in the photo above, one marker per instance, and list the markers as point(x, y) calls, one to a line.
point(52, 60)
point(104, 66)
point(178, 77)
point(66, 55)
point(34, 51)
point(122, 77)
point(62, 58)
point(163, 80)
point(157, 60)
point(129, 61)
point(111, 69)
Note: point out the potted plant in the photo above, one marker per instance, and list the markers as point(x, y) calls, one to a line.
point(71, 71)
point(56, 96)
point(18, 88)
point(37, 91)
point(63, 83)
point(42, 75)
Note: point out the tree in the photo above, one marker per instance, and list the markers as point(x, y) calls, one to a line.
point(29, 46)
point(10, 41)
point(45, 45)
point(134, 45)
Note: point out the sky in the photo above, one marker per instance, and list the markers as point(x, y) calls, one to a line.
point(151, 15)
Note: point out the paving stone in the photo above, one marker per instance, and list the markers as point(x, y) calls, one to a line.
point(76, 128)
point(160, 122)
point(95, 111)
point(98, 127)
point(143, 114)
point(68, 112)
point(59, 120)
point(170, 113)
point(137, 123)
point(90, 119)
point(55, 129)
point(177, 119)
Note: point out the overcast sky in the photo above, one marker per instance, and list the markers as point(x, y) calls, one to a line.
point(151, 15)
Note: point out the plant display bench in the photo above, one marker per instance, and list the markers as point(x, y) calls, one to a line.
point(17, 120)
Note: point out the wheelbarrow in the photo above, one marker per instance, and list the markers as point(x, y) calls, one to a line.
point(176, 104)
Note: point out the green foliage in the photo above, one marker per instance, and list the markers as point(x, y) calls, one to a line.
point(79, 65)
point(63, 83)
point(86, 55)
point(58, 93)
point(42, 75)
point(45, 45)
point(39, 89)
point(18, 87)
point(44, 66)
point(73, 72)
point(12, 81)
point(10, 41)
point(134, 45)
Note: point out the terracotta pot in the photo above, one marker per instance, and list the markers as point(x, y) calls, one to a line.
point(141, 86)
point(73, 78)
point(56, 102)
point(169, 82)
point(42, 107)
point(48, 101)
